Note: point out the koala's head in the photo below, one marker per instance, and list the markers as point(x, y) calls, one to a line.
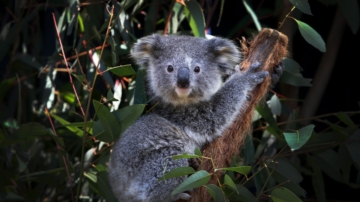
point(182, 70)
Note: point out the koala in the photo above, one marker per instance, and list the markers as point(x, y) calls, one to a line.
point(192, 106)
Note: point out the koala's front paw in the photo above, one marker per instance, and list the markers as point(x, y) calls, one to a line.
point(255, 75)
point(275, 76)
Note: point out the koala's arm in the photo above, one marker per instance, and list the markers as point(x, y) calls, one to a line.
point(231, 99)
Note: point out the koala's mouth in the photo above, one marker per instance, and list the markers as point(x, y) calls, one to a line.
point(182, 92)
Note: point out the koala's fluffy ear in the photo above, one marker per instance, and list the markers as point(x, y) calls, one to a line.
point(226, 53)
point(145, 49)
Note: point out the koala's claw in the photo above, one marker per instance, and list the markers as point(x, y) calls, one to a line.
point(275, 76)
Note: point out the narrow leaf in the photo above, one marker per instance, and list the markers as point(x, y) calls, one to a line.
point(65, 123)
point(177, 172)
point(228, 181)
point(241, 169)
point(216, 193)
point(195, 180)
point(126, 116)
point(282, 194)
point(311, 36)
point(108, 121)
point(252, 14)
point(195, 18)
point(350, 10)
point(123, 70)
point(354, 147)
point(197, 152)
point(185, 156)
point(104, 186)
point(302, 5)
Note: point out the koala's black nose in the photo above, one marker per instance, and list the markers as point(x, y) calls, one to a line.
point(183, 77)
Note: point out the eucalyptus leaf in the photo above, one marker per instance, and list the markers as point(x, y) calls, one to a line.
point(302, 5)
point(177, 172)
point(195, 18)
point(104, 186)
point(298, 138)
point(216, 192)
point(350, 10)
point(195, 180)
point(240, 169)
point(281, 194)
point(228, 181)
point(311, 36)
point(252, 14)
point(123, 70)
point(108, 121)
point(185, 156)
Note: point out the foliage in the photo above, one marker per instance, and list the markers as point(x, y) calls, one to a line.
point(69, 90)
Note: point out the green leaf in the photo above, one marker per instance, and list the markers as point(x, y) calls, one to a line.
point(185, 156)
point(11, 197)
point(197, 152)
point(195, 18)
point(65, 123)
point(108, 121)
point(122, 70)
point(56, 170)
point(244, 194)
point(228, 181)
point(216, 193)
point(81, 78)
point(294, 79)
point(177, 172)
point(265, 112)
point(126, 116)
point(240, 169)
point(104, 186)
point(139, 91)
point(275, 105)
point(91, 176)
point(346, 119)
point(282, 194)
point(252, 14)
point(350, 10)
point(195, 180)
point(353, 146)
point(317, 179)
point(287, 170)
point(291, 65)
point(110, 96)
point(249, 150)
point(302, 5)
point(311, 36)
point(299, 138)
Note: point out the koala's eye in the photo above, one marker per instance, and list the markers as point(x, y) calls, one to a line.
point(170, 68)
point(197, 69)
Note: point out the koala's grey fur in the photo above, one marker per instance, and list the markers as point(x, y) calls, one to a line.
point(190, 109)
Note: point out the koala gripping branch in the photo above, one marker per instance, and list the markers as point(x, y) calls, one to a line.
point(268, 47)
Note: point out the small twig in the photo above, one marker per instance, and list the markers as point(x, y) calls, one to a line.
point(80, 54)
point(67, 65)
point(287, 15)
point(267, 179)
point(63, 157)
point(169, 17)
point(12, 14)
point(88, 106)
